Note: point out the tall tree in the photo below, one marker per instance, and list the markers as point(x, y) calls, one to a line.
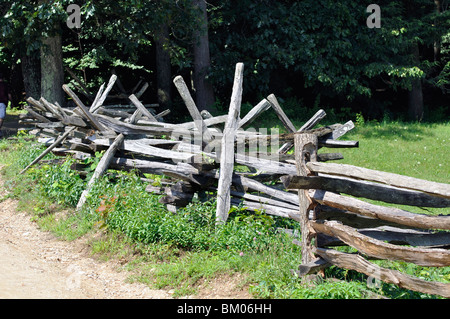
point(20, 36)
point(327, 45)
point(52, 79)
point(415, 94)
point(52, 71)
point(204, 91)
point(163, 67)
point(31, 72)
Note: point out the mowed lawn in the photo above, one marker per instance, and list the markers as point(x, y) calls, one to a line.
point(416, 150)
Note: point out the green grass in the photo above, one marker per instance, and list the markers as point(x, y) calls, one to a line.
point(416, 150)
point(180, 251)
point(411, 149)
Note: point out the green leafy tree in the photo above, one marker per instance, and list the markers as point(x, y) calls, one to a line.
point(314, 48)
point(20, 40)
point(326, 45)
point(112, 35)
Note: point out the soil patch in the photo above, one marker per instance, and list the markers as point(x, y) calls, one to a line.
point(35, 264)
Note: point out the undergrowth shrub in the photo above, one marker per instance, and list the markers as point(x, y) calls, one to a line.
point(21, 153)
point(60, 182)
point(125, 206)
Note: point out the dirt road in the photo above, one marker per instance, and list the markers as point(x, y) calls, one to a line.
point(34, 264)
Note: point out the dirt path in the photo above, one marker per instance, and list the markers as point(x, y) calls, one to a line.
point(35, 264)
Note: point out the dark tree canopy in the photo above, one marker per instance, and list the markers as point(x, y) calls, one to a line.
point(313, 52)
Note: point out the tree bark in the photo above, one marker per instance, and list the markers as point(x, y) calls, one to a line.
point(415, 101)
point(437, 41)
point(163, 68)
point(305, 151)
point(204, 92)
point(31, 72)
point(52, 75)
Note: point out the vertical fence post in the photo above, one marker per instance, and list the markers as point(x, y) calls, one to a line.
point(305, 151)
point(227, 148)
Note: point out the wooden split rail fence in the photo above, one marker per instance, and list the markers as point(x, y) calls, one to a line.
point(328, 218)
point(202, 155)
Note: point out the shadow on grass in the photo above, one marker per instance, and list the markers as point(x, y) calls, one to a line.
point(11, 126)
point(410, 132)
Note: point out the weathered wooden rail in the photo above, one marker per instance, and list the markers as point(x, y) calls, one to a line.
point(328, 218)
point(202, 155)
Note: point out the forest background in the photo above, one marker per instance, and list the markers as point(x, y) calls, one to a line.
point(310, 54)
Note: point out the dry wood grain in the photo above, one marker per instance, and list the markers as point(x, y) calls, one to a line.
point(397, 236)
point(369, 190)
point(358, 263)
point(434, 188)
point(262, 106)
point(379, 249)
point(227, 147)
point(307, 126)
point(192, 108)
point(390, 214)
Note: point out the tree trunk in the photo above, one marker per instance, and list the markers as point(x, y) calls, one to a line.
point(31, 72)
point(437, 42)
point(16, 85)
point(415, 95)
point(415, 101)
point(204, 92)
point(163, 68)
point(4, 7)
point(52, 75)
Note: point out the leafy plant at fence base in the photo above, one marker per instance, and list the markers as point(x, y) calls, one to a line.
point(61, 182)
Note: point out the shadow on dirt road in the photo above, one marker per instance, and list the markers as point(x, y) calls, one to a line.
point(11, 126)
